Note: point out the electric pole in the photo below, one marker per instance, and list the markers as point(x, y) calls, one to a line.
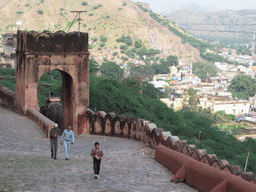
point(79, 20)
point(253, 46)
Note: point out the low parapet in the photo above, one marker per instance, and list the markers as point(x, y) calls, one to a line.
point(194, 166)
point(7, 96)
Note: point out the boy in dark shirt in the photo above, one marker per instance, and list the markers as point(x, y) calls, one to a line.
point(97, 154)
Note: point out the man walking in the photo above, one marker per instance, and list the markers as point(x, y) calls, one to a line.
point(67, 138)
point(54, 132)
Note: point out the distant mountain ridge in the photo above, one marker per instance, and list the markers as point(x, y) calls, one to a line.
point(227, 20)
point(108, 18)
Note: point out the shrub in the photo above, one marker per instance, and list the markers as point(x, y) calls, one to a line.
point(119, 9)
point(91, 14)
point(103, 38)
point(125, 39)
point(138, 44)
point(124, 58)
point(96, 6)
point(42, 1)
point(122, 51)
point(124, 4)
point(40, 12)
point(61, 9)
point(153, 52)
point(130, 54)
point(123, 46)
point(19, 12)
point(231, 117)
point(94, 39)
point(84, 25)
point(99, 48)
point(84, 3)
point(27, 5)
point(107, 17)
point(143, 9)
point(102, 44)
point(115, 53)
point(105, 59)
point(90, 46)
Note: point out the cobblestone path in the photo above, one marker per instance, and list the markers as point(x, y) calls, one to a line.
point(25, 163)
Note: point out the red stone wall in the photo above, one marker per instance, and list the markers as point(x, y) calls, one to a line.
point(41, 120)
point(198, 169)
point(7, 96)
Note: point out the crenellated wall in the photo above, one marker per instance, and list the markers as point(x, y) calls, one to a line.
point(196, 167)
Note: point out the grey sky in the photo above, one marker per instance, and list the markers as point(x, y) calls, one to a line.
point(167, 6)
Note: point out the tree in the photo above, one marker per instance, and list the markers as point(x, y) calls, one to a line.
point(112, 70)
point(242, 86)
point(172, 60)
point(146, 72)
point(138, 44)
point(202, 69)
point(103, 38)
point(254, 64)
point(142, 51)
point(162, 68)
point(94, 66)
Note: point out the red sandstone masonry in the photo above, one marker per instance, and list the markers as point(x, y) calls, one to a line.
point(199, 175)
point(41, 120)
point(7, 96)
point(155, 136)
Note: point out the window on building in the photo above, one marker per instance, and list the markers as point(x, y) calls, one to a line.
point(234, 111)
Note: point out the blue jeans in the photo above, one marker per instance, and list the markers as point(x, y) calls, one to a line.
point(67, 148)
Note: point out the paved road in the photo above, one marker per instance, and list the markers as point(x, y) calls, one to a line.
point(25, 163)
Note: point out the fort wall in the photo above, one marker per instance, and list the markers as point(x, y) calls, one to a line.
point(7, 96)
point(196, 167)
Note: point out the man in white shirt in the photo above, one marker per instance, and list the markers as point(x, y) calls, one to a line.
point(67, 138)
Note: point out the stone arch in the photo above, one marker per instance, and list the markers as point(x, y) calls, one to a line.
point(40, 53)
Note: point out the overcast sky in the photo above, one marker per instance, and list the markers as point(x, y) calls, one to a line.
point(167, 6)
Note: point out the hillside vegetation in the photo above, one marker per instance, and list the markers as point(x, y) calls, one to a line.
point(106, 21)
point(109, 95)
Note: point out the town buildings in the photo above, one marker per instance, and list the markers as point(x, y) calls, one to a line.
point(7, 56)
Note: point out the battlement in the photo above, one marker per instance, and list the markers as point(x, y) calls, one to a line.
point(47, 42)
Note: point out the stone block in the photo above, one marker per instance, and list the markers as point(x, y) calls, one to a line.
point(209, 159)
point(198, 154)
point(98, 123)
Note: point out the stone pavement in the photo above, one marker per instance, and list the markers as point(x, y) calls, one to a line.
point(25, 163)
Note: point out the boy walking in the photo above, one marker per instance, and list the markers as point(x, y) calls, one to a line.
point(97, 154)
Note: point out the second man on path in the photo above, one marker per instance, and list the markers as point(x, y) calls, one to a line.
point(54, 133)
point(67, 138)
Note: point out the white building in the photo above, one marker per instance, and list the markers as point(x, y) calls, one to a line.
point(232, 107)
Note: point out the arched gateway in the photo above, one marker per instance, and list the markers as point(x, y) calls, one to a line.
point(38, 53)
